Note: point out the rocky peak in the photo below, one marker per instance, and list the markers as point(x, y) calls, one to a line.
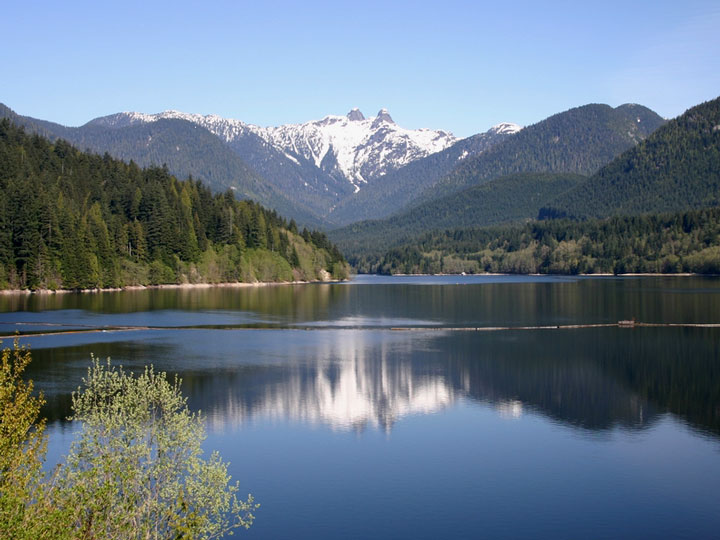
point(384, 116)
point(355, 115)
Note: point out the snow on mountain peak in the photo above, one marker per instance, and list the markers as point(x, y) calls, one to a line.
point(354, 147)
point(505, 128)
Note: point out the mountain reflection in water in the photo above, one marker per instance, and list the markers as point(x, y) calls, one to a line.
point(356, 384)
point(593, 379)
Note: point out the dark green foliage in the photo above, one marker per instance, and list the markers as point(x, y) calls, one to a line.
point(657, 243)
point(503, 200)
point(510, 181)
point(578, 141)
point(676, 168)
point(75, 220)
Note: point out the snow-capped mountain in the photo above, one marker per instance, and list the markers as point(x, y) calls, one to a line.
point(359, 148)
point(350, 147)
point(399, 187)
point(228, 130)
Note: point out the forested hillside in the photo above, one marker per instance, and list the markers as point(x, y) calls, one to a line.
point(502, 200)
point(665, 243)
point(675, 168)
point(70, 219)
point(511, 180)
point(578, 141)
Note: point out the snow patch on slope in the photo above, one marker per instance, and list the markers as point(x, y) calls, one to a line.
point(505, 128)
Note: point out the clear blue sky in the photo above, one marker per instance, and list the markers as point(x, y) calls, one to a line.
point(461, 66)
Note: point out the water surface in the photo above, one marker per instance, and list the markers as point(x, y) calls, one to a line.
point(342, 426)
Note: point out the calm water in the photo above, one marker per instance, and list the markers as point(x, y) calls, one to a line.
point(343, 427)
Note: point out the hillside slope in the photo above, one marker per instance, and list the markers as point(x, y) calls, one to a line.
point(676, 168)
point(578, 141)
point(186, 148)
point(653, 243)
point(502, 200)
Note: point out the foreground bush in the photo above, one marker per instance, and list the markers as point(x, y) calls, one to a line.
point(22, 446)
point(135, 471)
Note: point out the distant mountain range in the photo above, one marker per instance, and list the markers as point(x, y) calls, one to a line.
point(302, 170)
point(579, 141)
point(399, 187)
point(344, 169)
point(351, 148)
point(400, 199)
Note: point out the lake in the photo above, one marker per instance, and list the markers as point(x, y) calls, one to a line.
point(363, 409)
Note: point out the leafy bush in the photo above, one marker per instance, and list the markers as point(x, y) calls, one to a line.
point(136, 470)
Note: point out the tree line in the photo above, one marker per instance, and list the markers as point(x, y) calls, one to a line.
point(75, 220)
point(654, 243)
point(668, 183)
point(507, 199)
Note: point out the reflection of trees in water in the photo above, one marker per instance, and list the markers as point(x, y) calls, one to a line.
point(679, 369)
point(306, 302)
point(547, 373)
point(654, 299)
point(599, 378)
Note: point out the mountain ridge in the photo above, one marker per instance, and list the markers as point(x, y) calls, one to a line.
point(363, 147)
point(343, 169)
point(654, 208)
point(574, 142)
point(300, 169)
point(578, 141)
point(676, 168)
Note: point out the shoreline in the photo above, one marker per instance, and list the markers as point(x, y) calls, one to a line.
point(242, 284)
point(185, 286)
point(677, 274)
